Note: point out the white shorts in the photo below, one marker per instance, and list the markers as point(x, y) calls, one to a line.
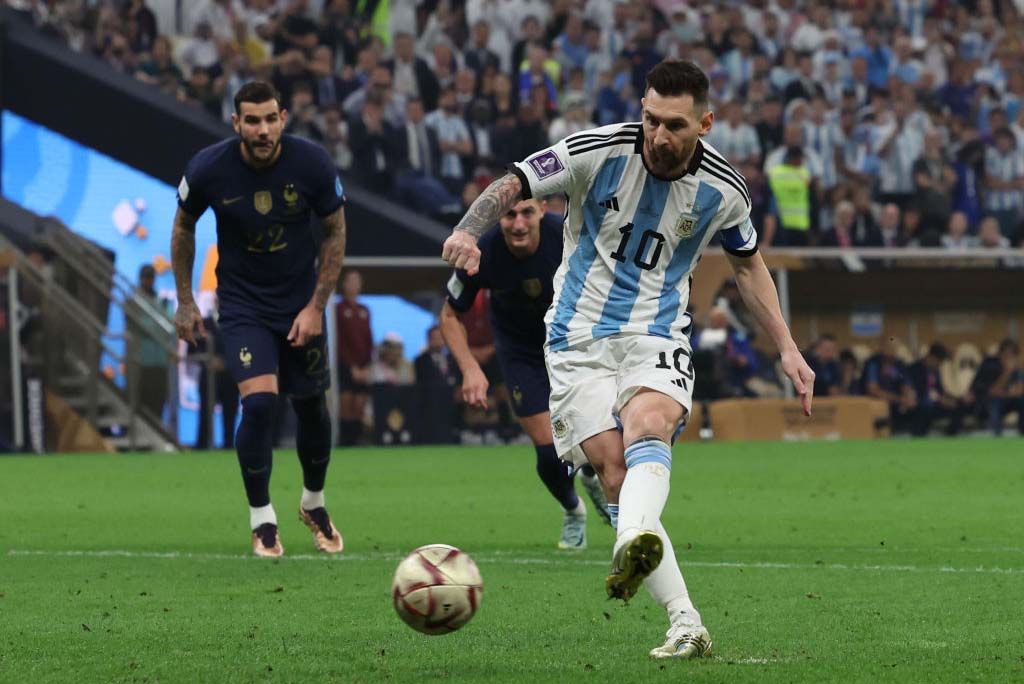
point(590, 383)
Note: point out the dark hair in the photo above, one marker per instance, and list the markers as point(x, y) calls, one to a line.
point(256, 92)
point(678, 77)
point(938, 351)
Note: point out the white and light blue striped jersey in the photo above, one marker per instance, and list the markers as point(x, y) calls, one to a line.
point(631, 239)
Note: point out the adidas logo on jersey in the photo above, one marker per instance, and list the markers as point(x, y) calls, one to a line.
point(612, 204)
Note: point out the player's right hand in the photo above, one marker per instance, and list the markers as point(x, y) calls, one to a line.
point(460, 251)
point(474, 388)
point(188, 320)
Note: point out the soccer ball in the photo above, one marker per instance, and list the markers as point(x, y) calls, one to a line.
point(437, 589)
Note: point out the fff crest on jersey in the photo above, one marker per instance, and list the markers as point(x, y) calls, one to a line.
point(245, 356)
point(532, 287)
point(685, 225)
point(263, 201)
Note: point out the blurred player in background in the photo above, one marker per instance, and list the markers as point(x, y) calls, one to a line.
point(645, 199)
point(517, 264)
point(263, 187)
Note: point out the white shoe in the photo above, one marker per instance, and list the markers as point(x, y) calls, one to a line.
point(574, 532)
point(686, 641)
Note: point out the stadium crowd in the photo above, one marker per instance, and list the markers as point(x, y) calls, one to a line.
point(855, 123)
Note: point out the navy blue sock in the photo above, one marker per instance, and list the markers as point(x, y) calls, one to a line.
point(555, 474)
point(254, 444)
point(313, 440)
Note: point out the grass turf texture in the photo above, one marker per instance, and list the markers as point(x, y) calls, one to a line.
point(896, 561)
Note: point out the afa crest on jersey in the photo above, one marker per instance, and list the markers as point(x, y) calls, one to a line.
point(263, 201)
point(685, 226)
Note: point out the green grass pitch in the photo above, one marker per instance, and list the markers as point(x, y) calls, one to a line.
point(892, 561)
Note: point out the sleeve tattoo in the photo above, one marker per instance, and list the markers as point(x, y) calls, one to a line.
point(332, 254)
point(183, 253)
point(486, 209)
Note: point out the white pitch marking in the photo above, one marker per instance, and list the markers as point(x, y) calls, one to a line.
point(502, 558)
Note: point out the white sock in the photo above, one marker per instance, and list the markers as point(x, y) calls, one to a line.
point(311, 500)
point(261, 515)
point(668, 587)
point(645, 487)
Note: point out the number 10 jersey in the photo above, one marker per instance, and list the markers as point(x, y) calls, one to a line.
point(632, 239)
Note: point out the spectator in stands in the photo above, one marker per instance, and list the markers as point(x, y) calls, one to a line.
point(437, 382)
point(334, 137)
point(847, 231)
point(889, 225)
point(1004, 182)
point(849, 373)
point(478, 54)
point(933, 401)
point(302, 113)
point(376, 146)
point(934, 180)
point(970, 170)
point(199, 52)
point(391, 367)
point(453, 140)
point(149, 345)
point(900, 144)
point(824, 361)
point(885, 377)
point(998, 387)
point(380, 86)
point(291, 29)
point(956, 236)
point(733, 137)
point(536, 74)
point(573, 120)
point(354, 351)
point(329, 89)
point(412, 76)
point(290, 70)
point(418, 184)
point(990, 236)
point(159, 69)
point(738, 362)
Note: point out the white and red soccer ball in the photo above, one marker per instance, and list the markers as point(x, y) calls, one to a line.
point(437, 589)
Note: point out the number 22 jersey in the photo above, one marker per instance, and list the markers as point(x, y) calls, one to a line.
point(266, 266)
point(632, 239)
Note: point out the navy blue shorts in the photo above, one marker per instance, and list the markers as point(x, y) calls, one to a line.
point(526, 377)
point(253, 348)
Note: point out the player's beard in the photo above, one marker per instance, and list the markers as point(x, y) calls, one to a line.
point(666, 162)
point(252, 147)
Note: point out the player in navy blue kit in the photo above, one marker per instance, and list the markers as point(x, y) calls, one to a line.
point(263, 187)
point(518, 261)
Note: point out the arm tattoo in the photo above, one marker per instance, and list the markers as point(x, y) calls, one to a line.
point(332, 254)
point(499, 197)
point(183, 253)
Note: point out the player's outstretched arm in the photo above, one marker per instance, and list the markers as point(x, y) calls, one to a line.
point(309, 323)
point(187, 318)
point(460, 248)
point(758, 290)
point(474, 382)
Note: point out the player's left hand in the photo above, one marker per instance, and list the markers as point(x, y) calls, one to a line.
point(794, 366)
point(308, 324)
point(460, 251)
